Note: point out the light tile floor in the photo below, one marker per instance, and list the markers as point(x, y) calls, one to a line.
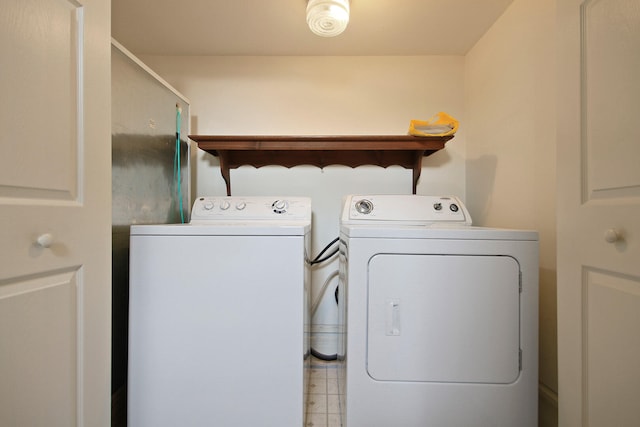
point(323, 404)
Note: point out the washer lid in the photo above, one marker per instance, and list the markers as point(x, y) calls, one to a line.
point(223, 229)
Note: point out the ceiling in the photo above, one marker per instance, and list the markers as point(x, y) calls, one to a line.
point(278, 27)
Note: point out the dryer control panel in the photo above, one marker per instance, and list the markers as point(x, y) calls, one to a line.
point(258, 208)
point(406, 209)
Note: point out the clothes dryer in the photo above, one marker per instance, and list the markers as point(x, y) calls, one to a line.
point(440, 318)
point(219, 316)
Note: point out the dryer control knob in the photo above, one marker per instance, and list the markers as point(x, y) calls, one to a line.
point(224, 205)
point(437, 206)
point(453, 207)
point(240, 206)
point(364, 206)
point(208, 205)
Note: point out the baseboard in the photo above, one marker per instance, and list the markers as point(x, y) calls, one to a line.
point(119, 407)
point(548, 394)
point(547, 407)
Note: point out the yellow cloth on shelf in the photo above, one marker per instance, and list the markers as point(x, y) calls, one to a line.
point(440, 124)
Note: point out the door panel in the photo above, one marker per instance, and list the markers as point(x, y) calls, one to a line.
point(610, 93)
point(41, 90)
point(38, 324)
point(611, 325)
point(444, 318)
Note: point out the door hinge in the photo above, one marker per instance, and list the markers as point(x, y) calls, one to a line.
point(520, 359)
point(520, 280)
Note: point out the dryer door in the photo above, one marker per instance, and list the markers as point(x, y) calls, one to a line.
point(443, 318)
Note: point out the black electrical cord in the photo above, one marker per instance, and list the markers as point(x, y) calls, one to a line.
point(318, 260)
point(321, 356)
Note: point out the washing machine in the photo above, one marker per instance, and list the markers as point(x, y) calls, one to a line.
point(219, 315)
point(439, 319)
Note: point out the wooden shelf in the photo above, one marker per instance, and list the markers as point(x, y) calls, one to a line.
point(386, 150)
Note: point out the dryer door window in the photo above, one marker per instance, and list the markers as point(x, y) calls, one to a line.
point(443, 318)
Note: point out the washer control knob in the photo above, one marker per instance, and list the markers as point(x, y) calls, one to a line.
point(437, 206)
point(224, 205)
point(453, 207)
point(208, 205)
point(241, 205)
point(364, 206)
point(280, 206)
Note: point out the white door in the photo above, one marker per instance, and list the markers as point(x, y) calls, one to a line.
point(55, 285)
point(412, 334)
point(599, 212)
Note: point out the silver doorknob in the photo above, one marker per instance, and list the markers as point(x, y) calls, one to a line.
point(612, 235)
point(45, 240)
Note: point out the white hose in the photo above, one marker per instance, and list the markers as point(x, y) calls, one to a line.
point(316, 303)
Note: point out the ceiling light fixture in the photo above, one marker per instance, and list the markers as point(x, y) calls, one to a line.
point(327, 18)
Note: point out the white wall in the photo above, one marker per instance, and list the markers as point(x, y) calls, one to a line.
point(316, 96)
point(321, 96)
point(510, 150)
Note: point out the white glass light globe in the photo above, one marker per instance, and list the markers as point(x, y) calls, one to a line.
point(327, 18)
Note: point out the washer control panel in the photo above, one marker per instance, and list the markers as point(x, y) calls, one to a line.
point(256, 208)
point(414, 209)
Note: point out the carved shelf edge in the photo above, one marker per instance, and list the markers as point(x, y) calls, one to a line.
point(262, 150)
